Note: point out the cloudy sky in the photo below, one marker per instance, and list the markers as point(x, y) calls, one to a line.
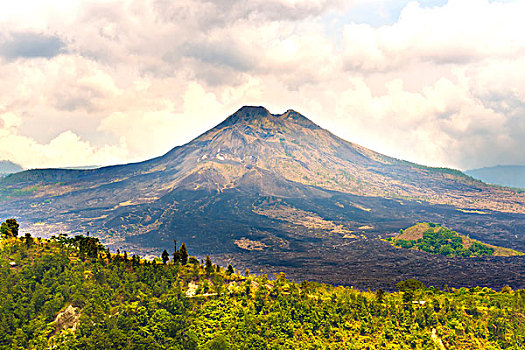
point(104, 82)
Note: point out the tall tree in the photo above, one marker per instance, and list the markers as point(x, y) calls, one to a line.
point(208, 265)
point(28, 240)
point(135, 260)
point(13, 226)
point(9, 228)
point(176, 257)
point(380, 295)
point(87, 246)
point(165, 256)
point(183, 254)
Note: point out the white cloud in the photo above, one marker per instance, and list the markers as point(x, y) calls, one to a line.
point(457, 33)
point(67, 149)
point(441, 85)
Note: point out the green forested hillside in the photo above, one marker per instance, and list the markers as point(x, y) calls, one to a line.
point(70, 293)
point(437, 239)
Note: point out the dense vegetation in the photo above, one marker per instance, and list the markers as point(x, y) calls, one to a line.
point(440, 240)
point(120, 302)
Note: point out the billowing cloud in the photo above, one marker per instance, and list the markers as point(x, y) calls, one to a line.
point(436, 82)
point(460, 32)
point(66, 149)
point(221, 13)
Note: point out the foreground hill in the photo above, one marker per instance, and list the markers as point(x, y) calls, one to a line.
point(279, 193)
point(436, 239)
point(82, 297)
point(504, 175)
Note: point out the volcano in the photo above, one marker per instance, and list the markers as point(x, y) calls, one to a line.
point(276, 192)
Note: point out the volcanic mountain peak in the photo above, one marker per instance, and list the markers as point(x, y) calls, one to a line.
point(258, 116)
point(277, 181)
point(253, 143)
point(251, 111)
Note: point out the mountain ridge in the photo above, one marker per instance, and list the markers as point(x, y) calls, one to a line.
point(503, 175)
point(9, 167)
point(276, 181)
point(291, 145)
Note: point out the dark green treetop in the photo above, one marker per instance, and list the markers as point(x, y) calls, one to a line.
point(208, 265)
point(165, 257)
point(410, 284)
point(183, 254)
point(9, 228)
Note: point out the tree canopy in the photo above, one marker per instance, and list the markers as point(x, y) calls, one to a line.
point(116, 303)
point(9, 228)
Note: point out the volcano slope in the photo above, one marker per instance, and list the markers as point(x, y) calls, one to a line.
point(279, 193)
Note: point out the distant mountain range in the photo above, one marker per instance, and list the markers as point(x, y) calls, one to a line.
point(505, 175)
point(8, 167)
point(276, 192)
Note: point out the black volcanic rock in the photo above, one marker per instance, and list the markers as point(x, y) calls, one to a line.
point(277, 192)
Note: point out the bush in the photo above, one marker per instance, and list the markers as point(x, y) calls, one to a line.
point(410, 284)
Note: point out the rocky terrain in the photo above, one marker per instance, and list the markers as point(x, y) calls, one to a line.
point(279, 193)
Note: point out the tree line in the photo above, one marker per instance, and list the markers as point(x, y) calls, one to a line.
point(127, 302)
